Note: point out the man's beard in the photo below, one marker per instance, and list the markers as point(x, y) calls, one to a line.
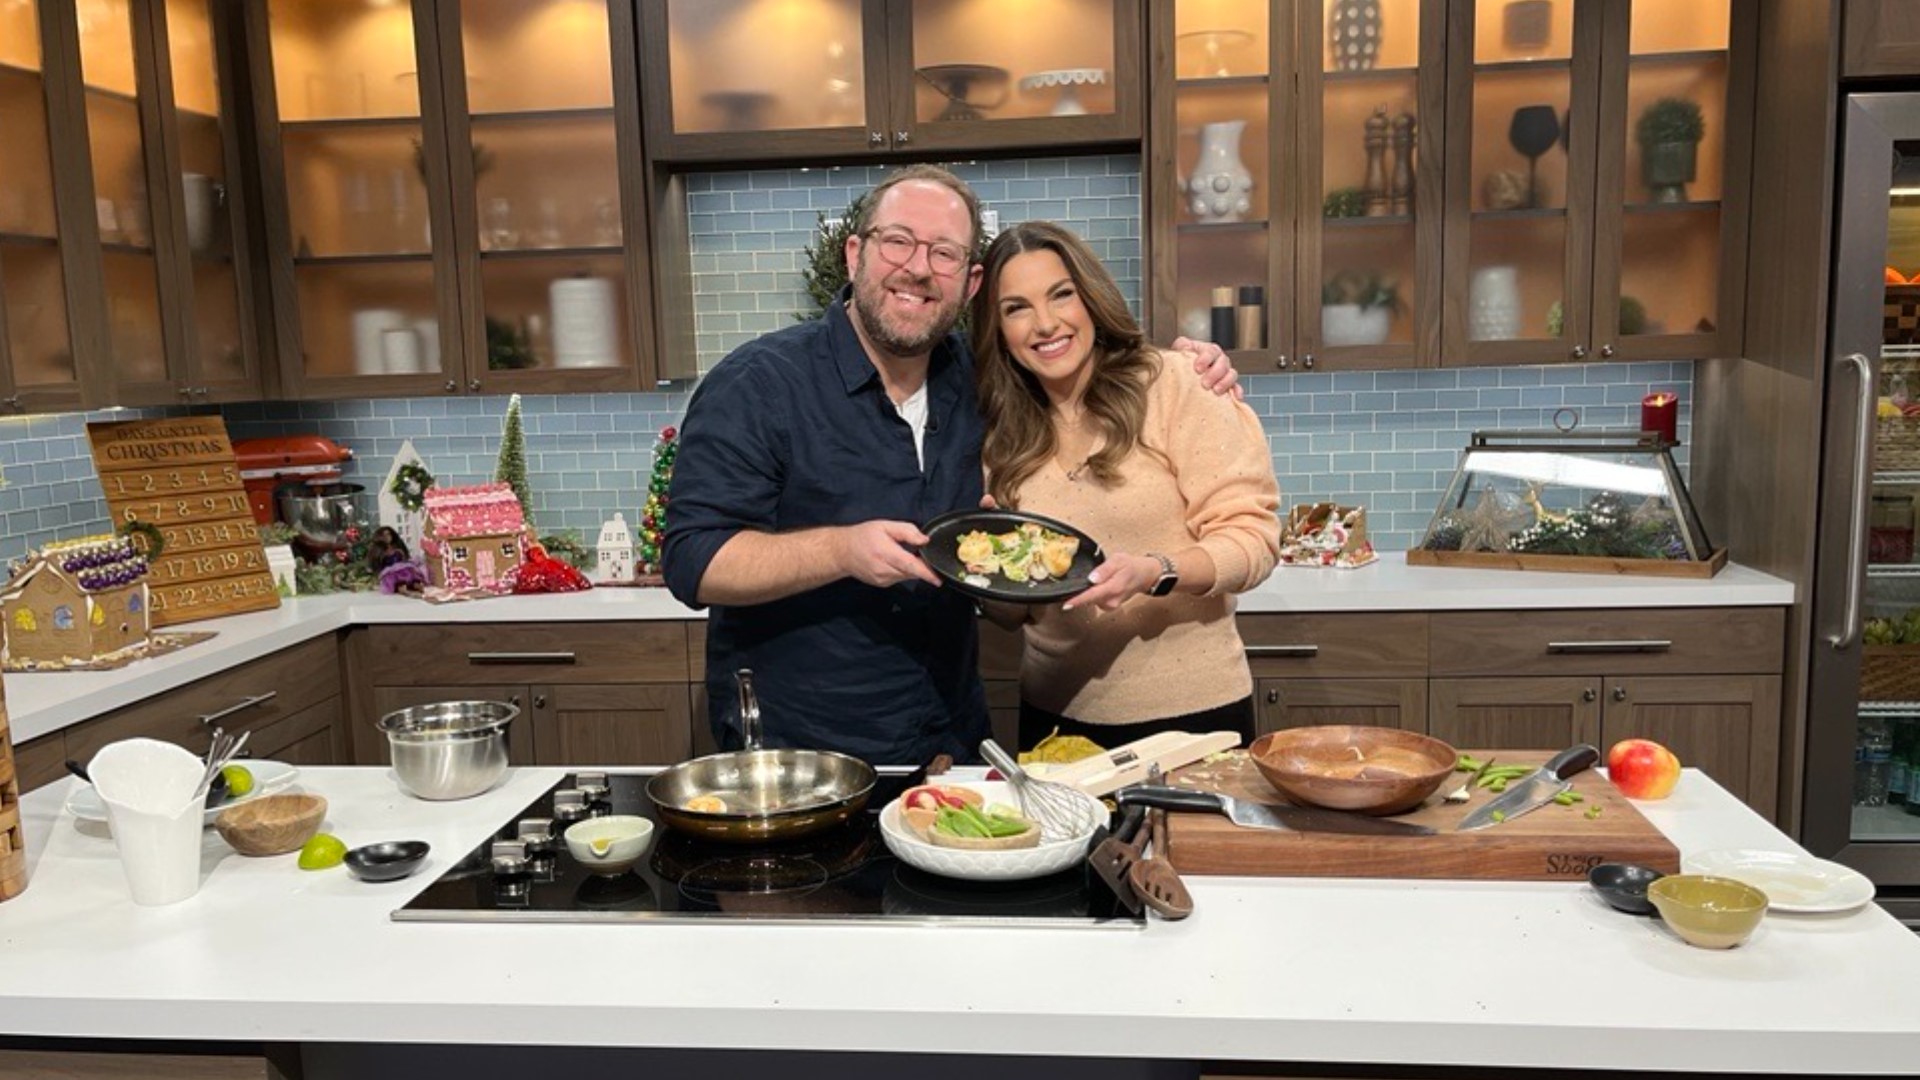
point(869, 306)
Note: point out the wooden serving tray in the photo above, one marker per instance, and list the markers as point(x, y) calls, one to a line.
point(1553, 843)
point(1571, 564)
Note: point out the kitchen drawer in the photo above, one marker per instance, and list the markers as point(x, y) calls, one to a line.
point(249, 697)
point(528, 653)
point(1664, 641)
point(1336, 646)
point(312, 736)
point(39, 762)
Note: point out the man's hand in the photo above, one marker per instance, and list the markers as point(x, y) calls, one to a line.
point(882, 553)
point(1211, 364)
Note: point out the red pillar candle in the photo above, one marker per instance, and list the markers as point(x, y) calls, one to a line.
point(1661, 413)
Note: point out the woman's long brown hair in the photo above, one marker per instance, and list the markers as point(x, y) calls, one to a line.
point(1020, 434)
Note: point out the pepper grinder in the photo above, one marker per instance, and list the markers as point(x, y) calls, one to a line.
point(1376, 186)
point(1250, 318)
point(1400, 193)
point(1223, 317)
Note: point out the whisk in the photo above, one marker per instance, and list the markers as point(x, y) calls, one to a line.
point(1062, 812)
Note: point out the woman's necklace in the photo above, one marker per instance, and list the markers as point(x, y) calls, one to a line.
point(1073, 425)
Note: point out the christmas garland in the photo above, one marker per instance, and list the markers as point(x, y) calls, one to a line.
point(155, 541)
point(410, 484)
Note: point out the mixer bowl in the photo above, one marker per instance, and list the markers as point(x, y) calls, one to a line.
point(320, 514)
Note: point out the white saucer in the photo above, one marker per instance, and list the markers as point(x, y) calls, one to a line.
point(268, 778)
point(1793, 883)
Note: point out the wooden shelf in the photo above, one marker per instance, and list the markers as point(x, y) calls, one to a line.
point(1370, 75)
point(1673, 207)
point(1553, 64)
point(21, 72)
point(390, 259)
point(1680, 56)
point(104, 94)
point(116, 247)
point(542, 116)
point(1198, 227)
point(1332, 224)
point(349, 123)
point(1520, 214)
point(13, 239)
point(511, 254)
point(1221, 82)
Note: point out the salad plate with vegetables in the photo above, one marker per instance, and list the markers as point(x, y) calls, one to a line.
point(1011, 556)
point(974, 830)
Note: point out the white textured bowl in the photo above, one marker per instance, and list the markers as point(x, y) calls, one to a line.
point(1015, 865)
point(630, 835)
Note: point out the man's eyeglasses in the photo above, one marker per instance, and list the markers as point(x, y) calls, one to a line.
point(897, 247)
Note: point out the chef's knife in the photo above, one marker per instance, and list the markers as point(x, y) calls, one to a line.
point(1260, 815)
point(1535, 789)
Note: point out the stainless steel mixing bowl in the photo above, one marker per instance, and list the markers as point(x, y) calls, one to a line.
point(320, 513)
point(450, 749)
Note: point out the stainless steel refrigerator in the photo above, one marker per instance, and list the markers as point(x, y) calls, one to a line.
point(1862, 790)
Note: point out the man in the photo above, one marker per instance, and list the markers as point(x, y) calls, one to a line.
point(807, 458)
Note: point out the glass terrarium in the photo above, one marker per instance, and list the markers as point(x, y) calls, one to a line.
point(1610, 496)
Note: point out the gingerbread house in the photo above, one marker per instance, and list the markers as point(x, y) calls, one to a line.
point(76, 600)
point(474, 537)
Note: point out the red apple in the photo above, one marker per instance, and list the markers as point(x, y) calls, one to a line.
point(1642, 769)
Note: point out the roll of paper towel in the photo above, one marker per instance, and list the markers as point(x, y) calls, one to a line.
point(369, 328)
point(586, 331)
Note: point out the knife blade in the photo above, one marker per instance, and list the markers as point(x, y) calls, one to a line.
point(1282, 817)
point(1535, 789)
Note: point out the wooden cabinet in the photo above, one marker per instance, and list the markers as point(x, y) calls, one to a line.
point(589, 693)
point(39, 762)
point(449, 188)
point(1727, 725)
point(742, 80)
point(1290, 703)
point(1338, 669)
point(1879, 38)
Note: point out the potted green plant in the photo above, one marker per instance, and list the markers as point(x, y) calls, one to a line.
point(1669, 134)
point(1357, 308)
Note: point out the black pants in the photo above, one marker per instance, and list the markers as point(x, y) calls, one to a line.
point(1037, 723)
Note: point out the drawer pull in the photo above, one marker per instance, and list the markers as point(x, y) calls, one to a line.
point(1283, 652)
point(520, 658)
point(1580, 648)
point(213, 718)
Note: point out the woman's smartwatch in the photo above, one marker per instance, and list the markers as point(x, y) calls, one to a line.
point(1169, 577)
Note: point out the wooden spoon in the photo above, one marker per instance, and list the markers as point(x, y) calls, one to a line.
point(1156, 881)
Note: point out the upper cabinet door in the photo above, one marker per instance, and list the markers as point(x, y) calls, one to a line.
point(750, 80)
point(1372, 103)
point(543, 98)
point(1522, 119)
point(39, 236)
point(1674, 164)
point(355, 180)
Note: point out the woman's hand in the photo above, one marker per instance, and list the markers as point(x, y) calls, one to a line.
point(1116, 580)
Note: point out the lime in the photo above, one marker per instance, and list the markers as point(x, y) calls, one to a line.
point(239, 781)
point(322, 852)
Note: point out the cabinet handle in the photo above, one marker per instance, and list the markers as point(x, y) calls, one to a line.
point(186, 391)
point(1587, 648)
point(901, 138)
point(1281, 361)
point(1589, 694)
point(1306, 361)
point(1579, 352)
point(1283, 652)
point(200, 391)
point(1606, 350)
point(1863, 485)
point(452, 386)
point(213, 718)
point(876, 138)
point(13, 402)
point(520, 658)
point(1273, 697)
point(539, 701)
point(473, 385)
point(1619, 693)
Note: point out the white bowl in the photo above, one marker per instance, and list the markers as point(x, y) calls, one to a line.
point(1016, 865)
point(626, 838)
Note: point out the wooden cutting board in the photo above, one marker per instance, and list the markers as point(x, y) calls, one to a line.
point(1553, 843)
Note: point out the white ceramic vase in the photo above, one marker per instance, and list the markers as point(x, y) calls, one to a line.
point(203, 195)
point(1221, 188)
point(1493, 297)
point(1351, 324)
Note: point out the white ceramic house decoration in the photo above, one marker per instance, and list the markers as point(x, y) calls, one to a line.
point(613, 555)
point(410, 524)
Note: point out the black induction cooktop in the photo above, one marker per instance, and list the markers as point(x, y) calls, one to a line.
point(845, 875)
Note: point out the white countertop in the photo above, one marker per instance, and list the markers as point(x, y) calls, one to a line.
point(39, 704)
point(1536, 975)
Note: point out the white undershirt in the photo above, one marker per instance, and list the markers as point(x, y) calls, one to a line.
point(914, 412)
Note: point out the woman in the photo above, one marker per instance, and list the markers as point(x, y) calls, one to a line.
point(1173, 482)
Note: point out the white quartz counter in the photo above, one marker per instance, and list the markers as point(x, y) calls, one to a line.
point(39, 704)
point(1537, 975)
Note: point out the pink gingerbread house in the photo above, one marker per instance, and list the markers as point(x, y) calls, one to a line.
point(474, 537)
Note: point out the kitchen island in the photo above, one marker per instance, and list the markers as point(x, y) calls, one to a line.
point(1381, 975)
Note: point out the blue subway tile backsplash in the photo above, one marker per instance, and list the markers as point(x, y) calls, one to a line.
point(1387, 440)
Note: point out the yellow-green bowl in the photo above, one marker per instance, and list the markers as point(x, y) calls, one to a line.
point(1711, 912)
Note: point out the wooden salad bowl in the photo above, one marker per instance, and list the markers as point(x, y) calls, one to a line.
point(273, 824)
point(1369, 770)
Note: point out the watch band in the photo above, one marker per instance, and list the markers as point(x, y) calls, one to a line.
point(1169, 576)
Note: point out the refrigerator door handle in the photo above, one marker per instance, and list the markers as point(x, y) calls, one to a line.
point(1863, 491)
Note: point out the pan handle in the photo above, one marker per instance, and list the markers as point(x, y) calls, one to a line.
point(749, 708)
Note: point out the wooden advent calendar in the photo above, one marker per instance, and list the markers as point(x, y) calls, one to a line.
point(13, 847)
point(180, 477)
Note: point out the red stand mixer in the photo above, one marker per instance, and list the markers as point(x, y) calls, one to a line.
point(296, 479)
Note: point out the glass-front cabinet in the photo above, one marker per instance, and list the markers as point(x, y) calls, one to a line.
point(37, 351)
point(861, 76)
point(1594, 149)
point(454, 206)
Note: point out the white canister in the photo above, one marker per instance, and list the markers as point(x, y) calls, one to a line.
point(369, 331)
point(429, 331)
point(203, 195)
point(400, 351)
point(586, 330)
point(1493, 300)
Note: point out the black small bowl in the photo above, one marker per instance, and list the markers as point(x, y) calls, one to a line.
point(1624, 886)
point(388, 861)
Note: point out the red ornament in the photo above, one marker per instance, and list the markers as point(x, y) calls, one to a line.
point(667, 433)
point(543, 574)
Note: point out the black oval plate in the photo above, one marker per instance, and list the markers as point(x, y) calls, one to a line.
point(943, 555)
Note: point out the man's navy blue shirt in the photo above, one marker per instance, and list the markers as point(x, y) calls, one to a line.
point(795, 430)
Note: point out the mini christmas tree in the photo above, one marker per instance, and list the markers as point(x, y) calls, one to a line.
point(653, 516)
point(512, 466)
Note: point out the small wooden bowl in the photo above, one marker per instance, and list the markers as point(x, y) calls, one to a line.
point(1370, 770)
point(273, 825)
